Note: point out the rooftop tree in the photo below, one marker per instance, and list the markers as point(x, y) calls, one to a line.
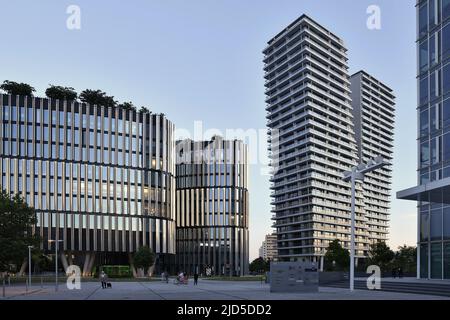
point(144, 110)
point(126, 106)
point(97, 97)
point(15, 88)
point(61, 93)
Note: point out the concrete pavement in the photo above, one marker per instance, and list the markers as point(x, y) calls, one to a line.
point(206, 290)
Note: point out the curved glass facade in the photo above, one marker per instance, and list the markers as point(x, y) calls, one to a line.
point(101, 179)
point(212, 207)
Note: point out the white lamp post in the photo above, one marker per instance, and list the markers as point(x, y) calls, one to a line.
point(56, 261)
point(358, 173)
point(29, 265)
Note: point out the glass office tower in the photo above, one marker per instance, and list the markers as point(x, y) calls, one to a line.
point(433, 190)
point(212, 207)
point(101, 179)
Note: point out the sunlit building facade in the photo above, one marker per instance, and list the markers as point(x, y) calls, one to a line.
point(212, 207)
point(309, 103)
point(373, 107)
point(101, 179)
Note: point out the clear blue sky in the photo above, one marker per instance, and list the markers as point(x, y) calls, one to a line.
point(201, 60)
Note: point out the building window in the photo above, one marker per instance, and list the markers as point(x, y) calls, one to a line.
point(446, 153)
point(435, 45)
point(446, 224)
point(435, 13)
point(424, 261)
point(423, 91)
point(436, 225)
point(436, 260)
point(425, 153)
point(424, 226)
point(446, 80)
point(423, 20)
point(447, 260)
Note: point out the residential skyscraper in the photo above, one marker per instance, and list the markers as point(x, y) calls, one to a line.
point(268, 248)
point(433, 112)
point(309, 104)
point(212, 206)
point(374, 114)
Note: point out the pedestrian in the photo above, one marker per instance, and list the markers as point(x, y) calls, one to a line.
point(166, 274)
point(400, 272)
point(394, 273)
point(103, 279)
point(195, 279)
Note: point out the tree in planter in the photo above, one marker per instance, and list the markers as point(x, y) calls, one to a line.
point(15, 88)
point(127, 106)
point(61, 93)
point(381, 255)
point(144, 110)
point(336, 258)
point(144, 258)
point(16, 222)
point(97, 97)
point(259, 265)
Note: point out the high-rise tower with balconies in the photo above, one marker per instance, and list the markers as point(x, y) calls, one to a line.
point(309, 107)
point(374, 114)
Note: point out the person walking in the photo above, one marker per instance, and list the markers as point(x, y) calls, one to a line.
point(195, 279)
point(394, 273)
point(103, 279)
point(166, 274)
point(400, 272)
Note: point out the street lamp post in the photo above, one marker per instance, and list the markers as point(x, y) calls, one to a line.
point(56, 261)
point(29, 265)
point(357, 173)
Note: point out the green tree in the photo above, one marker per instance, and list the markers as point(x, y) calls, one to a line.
point(127, 106)
point(97, 97)
point(406, 258)
point(16, 222)
point(144, 258)
point(61, 93)
point(144, 110)
point(381, 255)
point(259, 265)
point(16, 88)
point(336, 258)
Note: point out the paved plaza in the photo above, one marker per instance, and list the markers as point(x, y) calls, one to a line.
point(206, 290)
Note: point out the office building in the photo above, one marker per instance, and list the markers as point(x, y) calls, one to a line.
point(212, 207)
point(101, 179)
point(433, 111)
